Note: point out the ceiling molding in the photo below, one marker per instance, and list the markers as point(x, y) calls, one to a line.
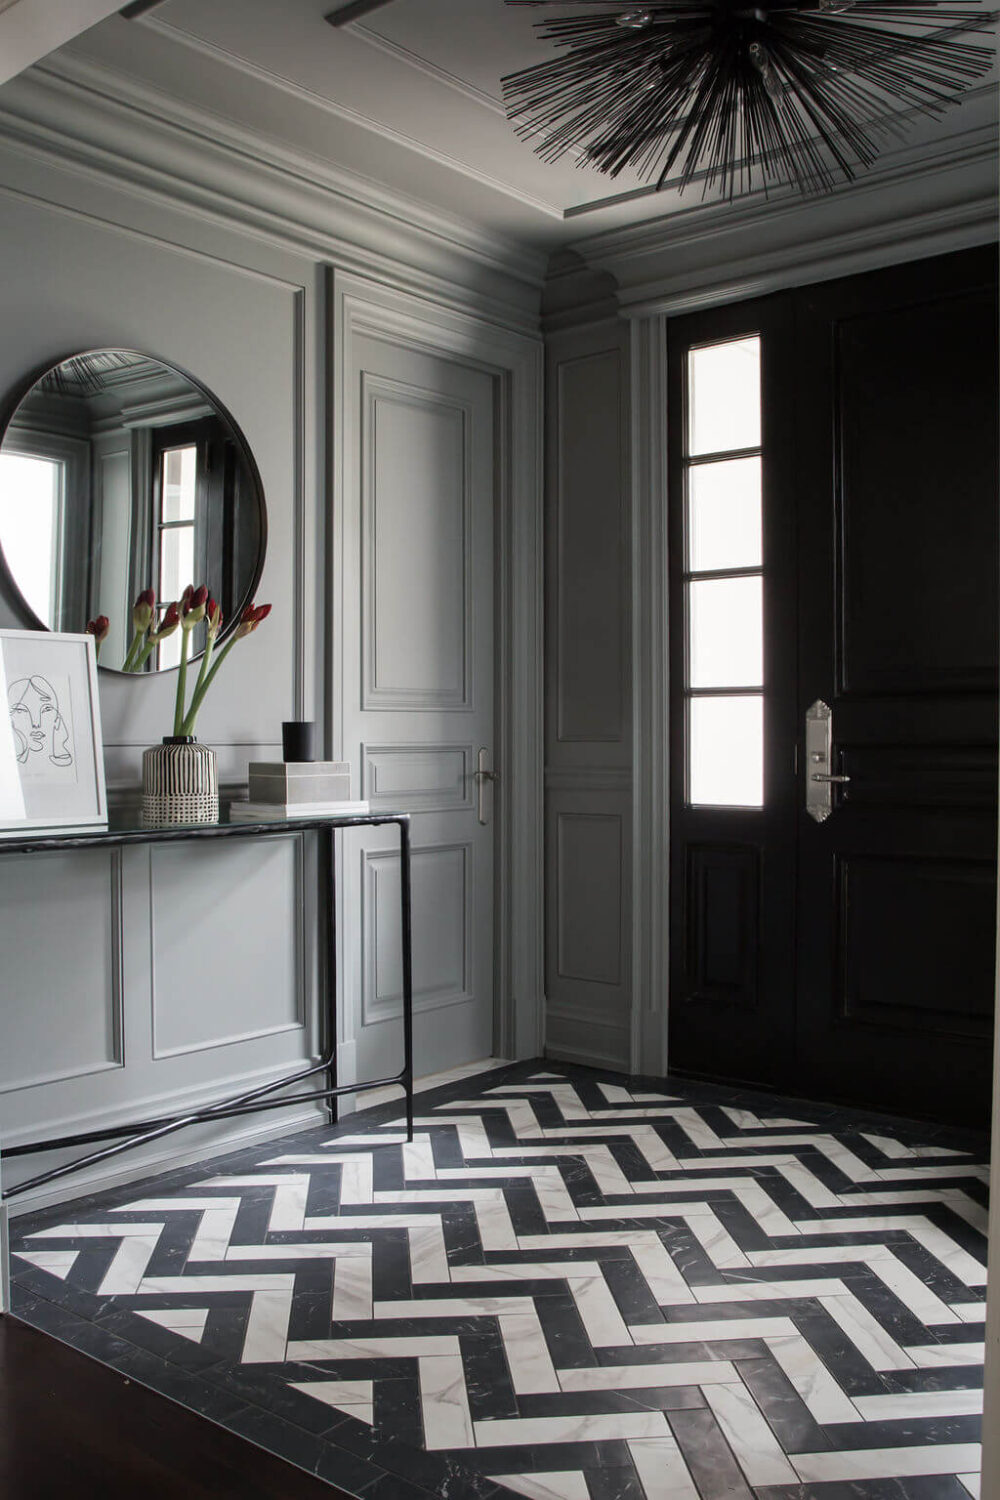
point(904, 209)
point(430, 70)
point(74, 110)
point(355, 117)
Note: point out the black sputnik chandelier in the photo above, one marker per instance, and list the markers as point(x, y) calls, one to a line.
point(737, 95)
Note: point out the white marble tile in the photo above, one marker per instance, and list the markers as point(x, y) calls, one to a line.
point(820, 1392)
point(618, 1426)
point(528, 1358)
point(924, 1174)
point(913, 1404)
point(716, 1241)
point(444, 1403)
point(808, 1185)
point(124, 1276)
point(614, 1093)
point(496, 1231)
point(553, 1196)
point(599, 1312)
point(743, 1119)
point(428, 1255)
point(188, 1322)
point(527, 1270)
point(648, 1377)
point(866, 1333)
point(418, 1161)
point(558, 1484)
point(267, 1327)
point(770, 1291)
point(56, 1262)
point(341, 1249)
point(666, 1283)
point(764, 1211)
point(662, 1471)
point(352, 1396)
point(407, 1347)
point(713, 1330)
point(969, 1312)
point(757, 1450)
point(352, 1289)
point(973, 1483)
point(887, 1463)
point(934, 1356)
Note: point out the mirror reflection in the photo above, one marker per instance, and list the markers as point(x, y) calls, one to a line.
point(119, 473)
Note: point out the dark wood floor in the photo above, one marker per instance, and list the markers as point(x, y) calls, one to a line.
point(71, 1426)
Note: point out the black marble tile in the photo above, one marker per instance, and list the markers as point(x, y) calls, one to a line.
point(784, 1410)
point(714, 1470)
point(615, 1484)
point(905, 1433)
point(488, 1381)
point(391, 1266)
point(564, 1332)
point(929, 1487)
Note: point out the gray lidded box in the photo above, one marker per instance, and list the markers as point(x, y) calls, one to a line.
point(300, 782)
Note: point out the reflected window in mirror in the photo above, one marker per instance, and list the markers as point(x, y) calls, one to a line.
point(119, 473)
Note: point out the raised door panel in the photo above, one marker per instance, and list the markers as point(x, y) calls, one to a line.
point(415, 523)
point(917, 451)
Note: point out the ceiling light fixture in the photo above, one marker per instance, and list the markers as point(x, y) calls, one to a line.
point(740, 95)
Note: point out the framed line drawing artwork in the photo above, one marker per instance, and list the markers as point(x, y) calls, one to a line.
point(51, 751)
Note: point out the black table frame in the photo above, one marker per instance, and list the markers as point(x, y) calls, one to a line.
point(140, 1132)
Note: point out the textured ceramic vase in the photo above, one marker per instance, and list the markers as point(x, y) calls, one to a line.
point(180, 782)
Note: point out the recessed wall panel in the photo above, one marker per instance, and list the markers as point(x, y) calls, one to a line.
point(226, 924)
point(442, 905)
point(415, 527)
point(589, 897)
point(60, 995)
point(588, 582)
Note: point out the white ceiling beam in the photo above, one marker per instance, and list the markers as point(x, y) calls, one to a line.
point(30, 29)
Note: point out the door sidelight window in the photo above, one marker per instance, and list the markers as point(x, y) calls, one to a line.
point(723, 576)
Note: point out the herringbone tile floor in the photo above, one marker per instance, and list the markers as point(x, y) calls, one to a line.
point(565, 1287)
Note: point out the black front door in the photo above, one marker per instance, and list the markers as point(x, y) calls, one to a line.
point(850, 955)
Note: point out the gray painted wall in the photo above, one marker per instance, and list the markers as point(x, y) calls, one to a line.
point(140, 982)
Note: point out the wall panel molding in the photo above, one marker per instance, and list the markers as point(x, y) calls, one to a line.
point(142, 139)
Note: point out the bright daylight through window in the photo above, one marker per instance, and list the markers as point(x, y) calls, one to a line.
point(723, 576)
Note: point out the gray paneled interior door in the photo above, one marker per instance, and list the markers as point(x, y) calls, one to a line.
point(418, 678)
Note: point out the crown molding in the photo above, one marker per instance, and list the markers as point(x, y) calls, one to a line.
point(75, 112)
point(910, 207)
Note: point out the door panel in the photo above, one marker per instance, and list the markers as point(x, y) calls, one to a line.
point(853, 958)
point(418, 697)
point(898, 885)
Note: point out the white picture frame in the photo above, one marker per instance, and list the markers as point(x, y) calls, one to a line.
point(51, 750)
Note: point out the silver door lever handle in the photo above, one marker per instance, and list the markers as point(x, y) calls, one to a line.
point(821, 776)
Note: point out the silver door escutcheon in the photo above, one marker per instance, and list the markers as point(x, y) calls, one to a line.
point(819, 752)
point(484, 778)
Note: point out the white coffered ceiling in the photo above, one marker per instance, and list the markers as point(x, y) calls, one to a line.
point(409, 97)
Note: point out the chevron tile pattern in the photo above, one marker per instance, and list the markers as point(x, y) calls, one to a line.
point(566, 1287)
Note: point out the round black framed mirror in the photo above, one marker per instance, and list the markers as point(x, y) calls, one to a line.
point(121, 473)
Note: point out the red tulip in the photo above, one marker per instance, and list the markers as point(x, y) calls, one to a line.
point(213, 617)
point(193, 605)
point(251, 618)
point(142, 611)
point(167, 626)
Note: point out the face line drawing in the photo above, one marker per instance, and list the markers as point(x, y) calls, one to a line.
point(37, 722)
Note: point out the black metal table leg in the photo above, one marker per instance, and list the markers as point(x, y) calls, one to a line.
point(327, 886)
point(406, 924)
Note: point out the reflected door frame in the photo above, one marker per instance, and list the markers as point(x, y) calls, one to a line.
point(514, 361)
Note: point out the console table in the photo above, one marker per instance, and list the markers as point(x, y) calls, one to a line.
point(124, 827)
